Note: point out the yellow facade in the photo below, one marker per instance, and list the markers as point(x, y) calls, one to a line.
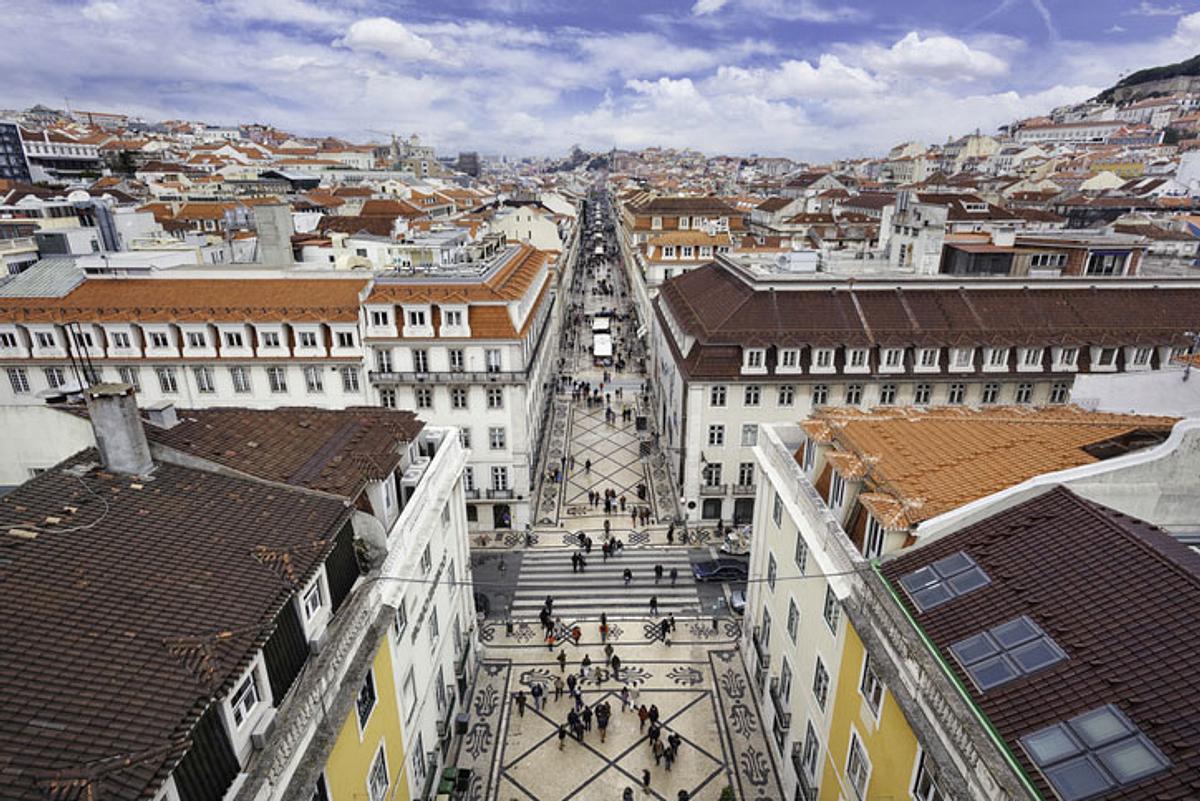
point(890, 744)
point(350, 760)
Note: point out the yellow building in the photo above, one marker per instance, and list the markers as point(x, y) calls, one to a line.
point(367, 761)
point(872, 752)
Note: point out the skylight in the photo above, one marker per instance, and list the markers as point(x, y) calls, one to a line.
point(945, 579)
point(1006, 652)
point(1092, 753)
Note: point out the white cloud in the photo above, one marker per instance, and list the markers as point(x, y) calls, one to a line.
point(942, 57)
point(104, 11)
point(299, 12)
point(797, 80)
point(645, 54)
point(1149, 9)
point(708, 6)
point(388, 37)
point(793, 10)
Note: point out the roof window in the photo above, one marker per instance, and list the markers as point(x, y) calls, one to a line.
point(944, 580)
point(1006, 652)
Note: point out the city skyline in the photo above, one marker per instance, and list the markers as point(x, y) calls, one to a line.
point(525, 77)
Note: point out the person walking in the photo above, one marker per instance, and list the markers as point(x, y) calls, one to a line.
point(643, 716)
point(587, 465)
point(658, 573)
point(625, 703)
point(585, 665)
point(627, 795)
point(671, 533)
point(562, 736)
point(671, 621)
point(657, 748)
point(520, 703)
point(616, 666)
point(669, 756)
point(654, 714)
point(654, 733)
point(674, 575)
point(587, 718)
point(628, 576)
point(558, 688)
point(574, 563)
point(653, 605)
point(571, 682)
point(645, 781)
point(607, 527)
point(537, 693)
point(562, 661)
point(602, 713)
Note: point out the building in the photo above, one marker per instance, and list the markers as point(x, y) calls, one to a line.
point(14, 166)
point(734, 347)
point(264, 568)
point(1089, 132)
point(853, 692)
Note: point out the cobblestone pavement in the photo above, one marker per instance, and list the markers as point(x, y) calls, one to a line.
point(698, 682)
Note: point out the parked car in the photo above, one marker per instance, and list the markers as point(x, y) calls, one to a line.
point(720, 570)
point(737, 601)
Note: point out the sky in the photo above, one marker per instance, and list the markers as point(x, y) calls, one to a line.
point(807, 79)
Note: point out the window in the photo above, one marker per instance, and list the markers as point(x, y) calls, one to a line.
point(277, 379)
point(320, 790)
point(1068, 356)
point(801, 554)
point(833, 609)
point(45, 340)
point(378, 780)
point(120, 339)
point(945, 579)
point(712, 475)
point(233, 339)
point(812, 750)
point(83, 339)
point(771, 571)
point(854, 393)
point(418, 760)
point(468, 474)
point(1031, 357)
point(789, 358)
point(754, 358)
point(55, 377)
point(268, 339)
point(871, 687)
point(1060, 392)
point(345, 339)
point(957, 394)
point(458, 398)
point(8, 340)
point(752, 395)
point(196, 339)
point(426, 559)
point(308, 339)
point(887, 394)
point(823, 358)
point(893, 357)
point(787, 395)
point(416, 319)
point(491, 358)
point(1002, 653)
point(423, 397)
point(349, 379)
point(205, 382)
point(241, 379)
point(858, 769)
point(496, 439)
point(785, 681)
point(387, 398)
point(1141, 357)
point(765, 630)
point(873, 542)
point(749, 435)
point(245, 698)
point(929, 357)
point(312, 379)
point(777, 510)
point(19, 380)
point(314, 599)
point(668, 251)
point(434, 630)
point(922, 393)
point(716, 396)
point(820, 394)
point(997, 357)
point(961, 357)
point(159, 339)
point(457, 360)
point(858, 357)
point(810, 455)
point(383, 360)
point(991, 393)
point(1024, 393)
point(924, 786)
point(1106, 264)
point(495, 397)
point(420, 360)
point(1093, 753)
point(381, 319)
point(716, 435)
point(131, 375)
point(167, 382)
point(793, 619)
point(837, 491)
point(820, 684)
point(452, 319)
point(365, 702)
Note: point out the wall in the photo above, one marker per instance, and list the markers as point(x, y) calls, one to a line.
point(36, 437)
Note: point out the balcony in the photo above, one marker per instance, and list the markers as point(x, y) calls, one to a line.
point(18, 244)
point(499, 494)
point(744, 489)
point(783, 718)
point(713, 489)
point(805, 789)
point(453, 377)
point(472, 493)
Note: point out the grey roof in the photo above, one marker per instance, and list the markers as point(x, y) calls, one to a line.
point(48, 278)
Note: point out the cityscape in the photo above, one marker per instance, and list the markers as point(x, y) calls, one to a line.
point(724, 400)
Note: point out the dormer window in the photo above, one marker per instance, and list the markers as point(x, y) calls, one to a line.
point(754, 358)
point(268, 339)
point(1031, 357)
point(308, 339)
point(1107, 357)
point(417, 319)
point(997, 357)
point(858, 357)
point(245, 699)
point(789, 359)
point(233, 339)
point(345, 339)
point(159, 339)
point(668, 251)
point(381, 319)
point(196, 339)
point(452, 319)
point(683, 223)
point(823, 358)
point(1068, 356)
point(120, 339)
point(1141, 357)
point(656, 223)
point(893, 357)
point(929, 357)
point(961, 357)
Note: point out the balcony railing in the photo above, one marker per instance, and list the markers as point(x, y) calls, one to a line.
point(471, 492)
point(17, 243)
point(783, 718)
point(805, 790)
point(448, 377)
point(760, 646)
point(744, 489)
point(494, 494)
point(713, 489)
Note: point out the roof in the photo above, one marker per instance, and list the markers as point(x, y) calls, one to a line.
point(931, 461)
point(1118, 596)
point(122, 620)
point(194, 300)
point(774, 204)
point(331, 451)
point(508, 282)
point(956, 203)
point(51, 277)
point(684, 205)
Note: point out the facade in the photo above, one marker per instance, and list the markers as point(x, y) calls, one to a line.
point(14, 166)
point(734, 348)
point(247, 578)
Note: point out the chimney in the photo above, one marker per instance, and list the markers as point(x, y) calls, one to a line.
point(118, 429)
point(162, 414)
point(273, 224)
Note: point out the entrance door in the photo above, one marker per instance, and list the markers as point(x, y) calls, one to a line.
point(743, 511)
point(501, 516)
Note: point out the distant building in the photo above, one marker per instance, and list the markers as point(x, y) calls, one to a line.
point(468, 162)
point(14, 166)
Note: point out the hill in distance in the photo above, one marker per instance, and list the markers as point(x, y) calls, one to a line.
point(1150, 81)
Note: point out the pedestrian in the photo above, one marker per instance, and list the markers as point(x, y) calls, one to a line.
point(549, 603)
point(643, 716)
point(537, 693)
point(607, 524)
point(671, 534)
point(671, 620)
point(587, 465)
point(669, 756)
point(602, 714)
point(562, 736)
point(628, 576)
point(582, 564)
point(683, 796)
point(622, 501)
point(558, 688)
point(653, 605)
point(658, 571)
point(576, 633)
point(646, 781)
point(571, 681)
point(664, 629)
point(657, 747)
point(608, 653)
point(674, 575)
point(605, 549)
point(520, 703)
point(585, 665)
point(574, 563)
point(587, 718)
point(654, 714)
point(633, 517)
point(562, 661)
point(625, 703)
point(654, 733)
point(627, 795)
